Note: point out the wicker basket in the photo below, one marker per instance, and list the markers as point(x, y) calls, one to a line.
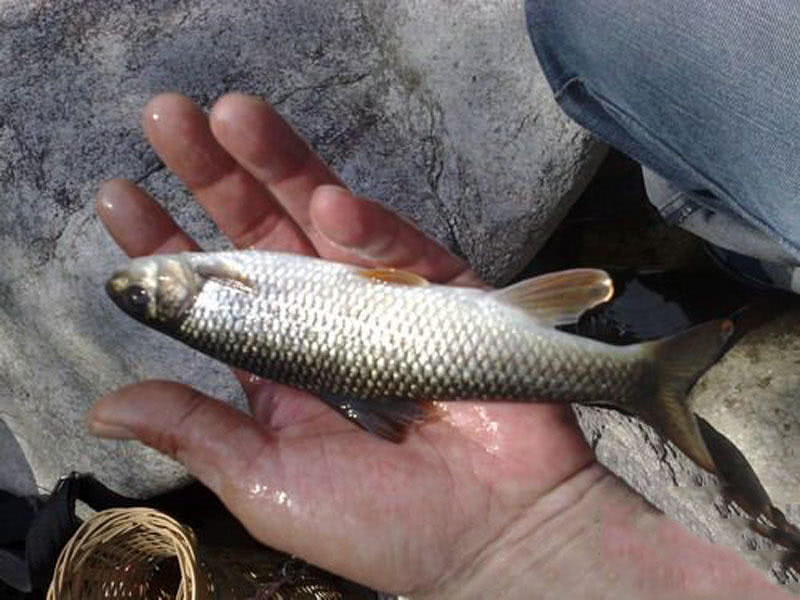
point(138, 553)
point(130, 553)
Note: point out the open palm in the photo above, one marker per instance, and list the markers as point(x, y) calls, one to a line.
point(432, 515)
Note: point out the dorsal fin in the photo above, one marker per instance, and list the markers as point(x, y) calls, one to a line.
point(559, 298)
point(396, 276)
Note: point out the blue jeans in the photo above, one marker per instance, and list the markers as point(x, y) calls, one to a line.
point(704, 94)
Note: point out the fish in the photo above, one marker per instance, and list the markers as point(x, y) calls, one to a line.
point(382, 345)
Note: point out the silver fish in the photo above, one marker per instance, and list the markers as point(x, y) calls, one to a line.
point(380, 344)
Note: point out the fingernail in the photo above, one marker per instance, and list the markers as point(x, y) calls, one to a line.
point(111, 431)
point(361, 235)
point(107, 199)
point(104, 198)
point(365, 253)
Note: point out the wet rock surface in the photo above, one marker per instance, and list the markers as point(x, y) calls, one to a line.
point(452, 126)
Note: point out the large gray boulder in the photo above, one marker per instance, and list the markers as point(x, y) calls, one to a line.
point(437, 109)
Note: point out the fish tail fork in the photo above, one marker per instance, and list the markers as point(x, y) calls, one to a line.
point(680, 361)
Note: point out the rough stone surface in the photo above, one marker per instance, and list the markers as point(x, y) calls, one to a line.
point(437, 109)
point(751, 397)
point(626, 235)
point(664, 476)
point(15, 474)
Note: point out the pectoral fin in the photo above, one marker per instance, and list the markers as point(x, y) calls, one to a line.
point(559, 298)
point(386, 418)
point(225, 273)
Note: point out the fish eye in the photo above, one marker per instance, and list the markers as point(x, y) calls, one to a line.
point(136, 300)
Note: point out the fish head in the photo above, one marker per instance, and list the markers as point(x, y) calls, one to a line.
point(156, 290)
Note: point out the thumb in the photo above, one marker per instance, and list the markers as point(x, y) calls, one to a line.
point(214, 441)
point(278, 488)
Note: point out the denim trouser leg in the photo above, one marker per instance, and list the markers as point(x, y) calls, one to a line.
point(703, 93)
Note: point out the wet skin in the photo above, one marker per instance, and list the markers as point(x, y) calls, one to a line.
point(488, 500)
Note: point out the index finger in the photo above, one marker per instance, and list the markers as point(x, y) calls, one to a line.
point(268, 147)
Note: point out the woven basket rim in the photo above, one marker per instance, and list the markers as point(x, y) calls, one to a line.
point(123, 534)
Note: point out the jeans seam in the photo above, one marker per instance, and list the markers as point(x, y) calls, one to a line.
point(612, 108)
point(557, 94)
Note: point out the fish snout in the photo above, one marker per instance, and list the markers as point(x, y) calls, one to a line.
point(154, 290)
point(134, 293)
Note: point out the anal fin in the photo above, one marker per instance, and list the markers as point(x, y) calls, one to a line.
point(386, 418)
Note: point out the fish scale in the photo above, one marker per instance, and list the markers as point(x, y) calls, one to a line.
point(320, 326)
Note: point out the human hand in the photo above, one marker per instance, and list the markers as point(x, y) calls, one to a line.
point(491, 500)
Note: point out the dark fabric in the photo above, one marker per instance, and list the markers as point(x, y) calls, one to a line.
point(15, 516)
point(34, 530)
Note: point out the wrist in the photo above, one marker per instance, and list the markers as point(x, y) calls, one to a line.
point(593, 537)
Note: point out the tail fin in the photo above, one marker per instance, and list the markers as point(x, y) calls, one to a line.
point(680, 361)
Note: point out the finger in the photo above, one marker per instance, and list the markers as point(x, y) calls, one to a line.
point(238, 203)
point(257, 136)
point(136, 222)
point(267, 146)
point(375, 236)
point(212, 440)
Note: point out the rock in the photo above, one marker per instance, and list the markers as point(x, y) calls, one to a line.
point(15, 476)
point(750, 396)
point(439, 111)
point(663, 475)
point(498, 144)
point(677, 285)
